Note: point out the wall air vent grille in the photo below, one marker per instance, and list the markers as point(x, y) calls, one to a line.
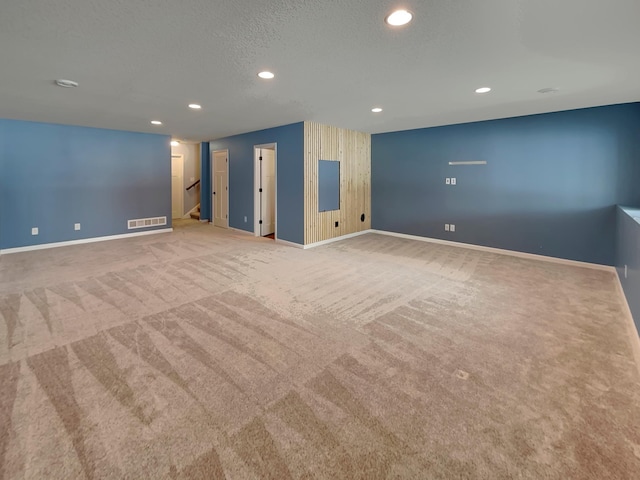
point(147, 222)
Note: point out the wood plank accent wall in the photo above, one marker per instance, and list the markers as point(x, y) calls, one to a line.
point(353, 150)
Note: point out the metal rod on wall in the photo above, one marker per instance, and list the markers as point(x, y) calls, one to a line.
point(470, 162)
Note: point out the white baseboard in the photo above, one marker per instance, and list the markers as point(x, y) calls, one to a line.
point(323, 242)
point(288, 243)
point(45, 246)
point(499, 251)
point(634, 335)
point(336, 239)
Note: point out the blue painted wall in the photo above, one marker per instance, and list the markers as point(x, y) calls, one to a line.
point(205, 182)
point(290, 178)
point(628, 253)
point(550, 187)
point(52, 176)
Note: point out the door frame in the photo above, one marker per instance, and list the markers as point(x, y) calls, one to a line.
point(181, 157)
point(256, 186)
point(212, 168)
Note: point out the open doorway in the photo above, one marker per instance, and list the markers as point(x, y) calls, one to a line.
point(220, 188)
point(265, 203)
point(177, 186)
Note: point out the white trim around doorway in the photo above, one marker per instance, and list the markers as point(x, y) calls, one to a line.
point(256, 186)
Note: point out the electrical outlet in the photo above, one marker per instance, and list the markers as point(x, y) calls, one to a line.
point(453, 180)
point(447, 181)
point(452, 228)
point(446, 227)
point(625, 271)
point(245, 219)
point(76, 226)
point(34, 231)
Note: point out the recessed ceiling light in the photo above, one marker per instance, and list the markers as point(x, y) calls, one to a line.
point(266, 75)
point(549, 90)
point(483, 90)
point(195, 106)
point(376, 110)
point(398, 18)
point(66, 83)
point(156, 122)
point(175, 143)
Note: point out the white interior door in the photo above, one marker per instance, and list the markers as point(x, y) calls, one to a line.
point(220, 191)
point(268, 195)
point(177, 186)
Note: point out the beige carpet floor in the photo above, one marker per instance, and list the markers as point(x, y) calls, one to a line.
point(208, 354)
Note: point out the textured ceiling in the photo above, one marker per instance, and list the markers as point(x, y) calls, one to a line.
point(138, 60)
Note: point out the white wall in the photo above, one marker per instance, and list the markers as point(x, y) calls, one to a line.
point(191, 154)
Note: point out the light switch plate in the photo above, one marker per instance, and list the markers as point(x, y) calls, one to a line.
point(447, 181)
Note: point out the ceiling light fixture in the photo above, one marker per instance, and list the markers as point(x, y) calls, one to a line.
point(175, 143)
point(483, 90)
point(399, 18)
point(195, 106)
point(376, 110)
point(66, 83)
point(266, 75)
point(156, 122)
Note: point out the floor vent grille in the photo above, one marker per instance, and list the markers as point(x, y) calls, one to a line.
point(147, 222)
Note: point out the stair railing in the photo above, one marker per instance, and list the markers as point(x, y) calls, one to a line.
point(193, 185)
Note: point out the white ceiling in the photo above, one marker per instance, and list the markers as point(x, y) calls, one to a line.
point(138, 60)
